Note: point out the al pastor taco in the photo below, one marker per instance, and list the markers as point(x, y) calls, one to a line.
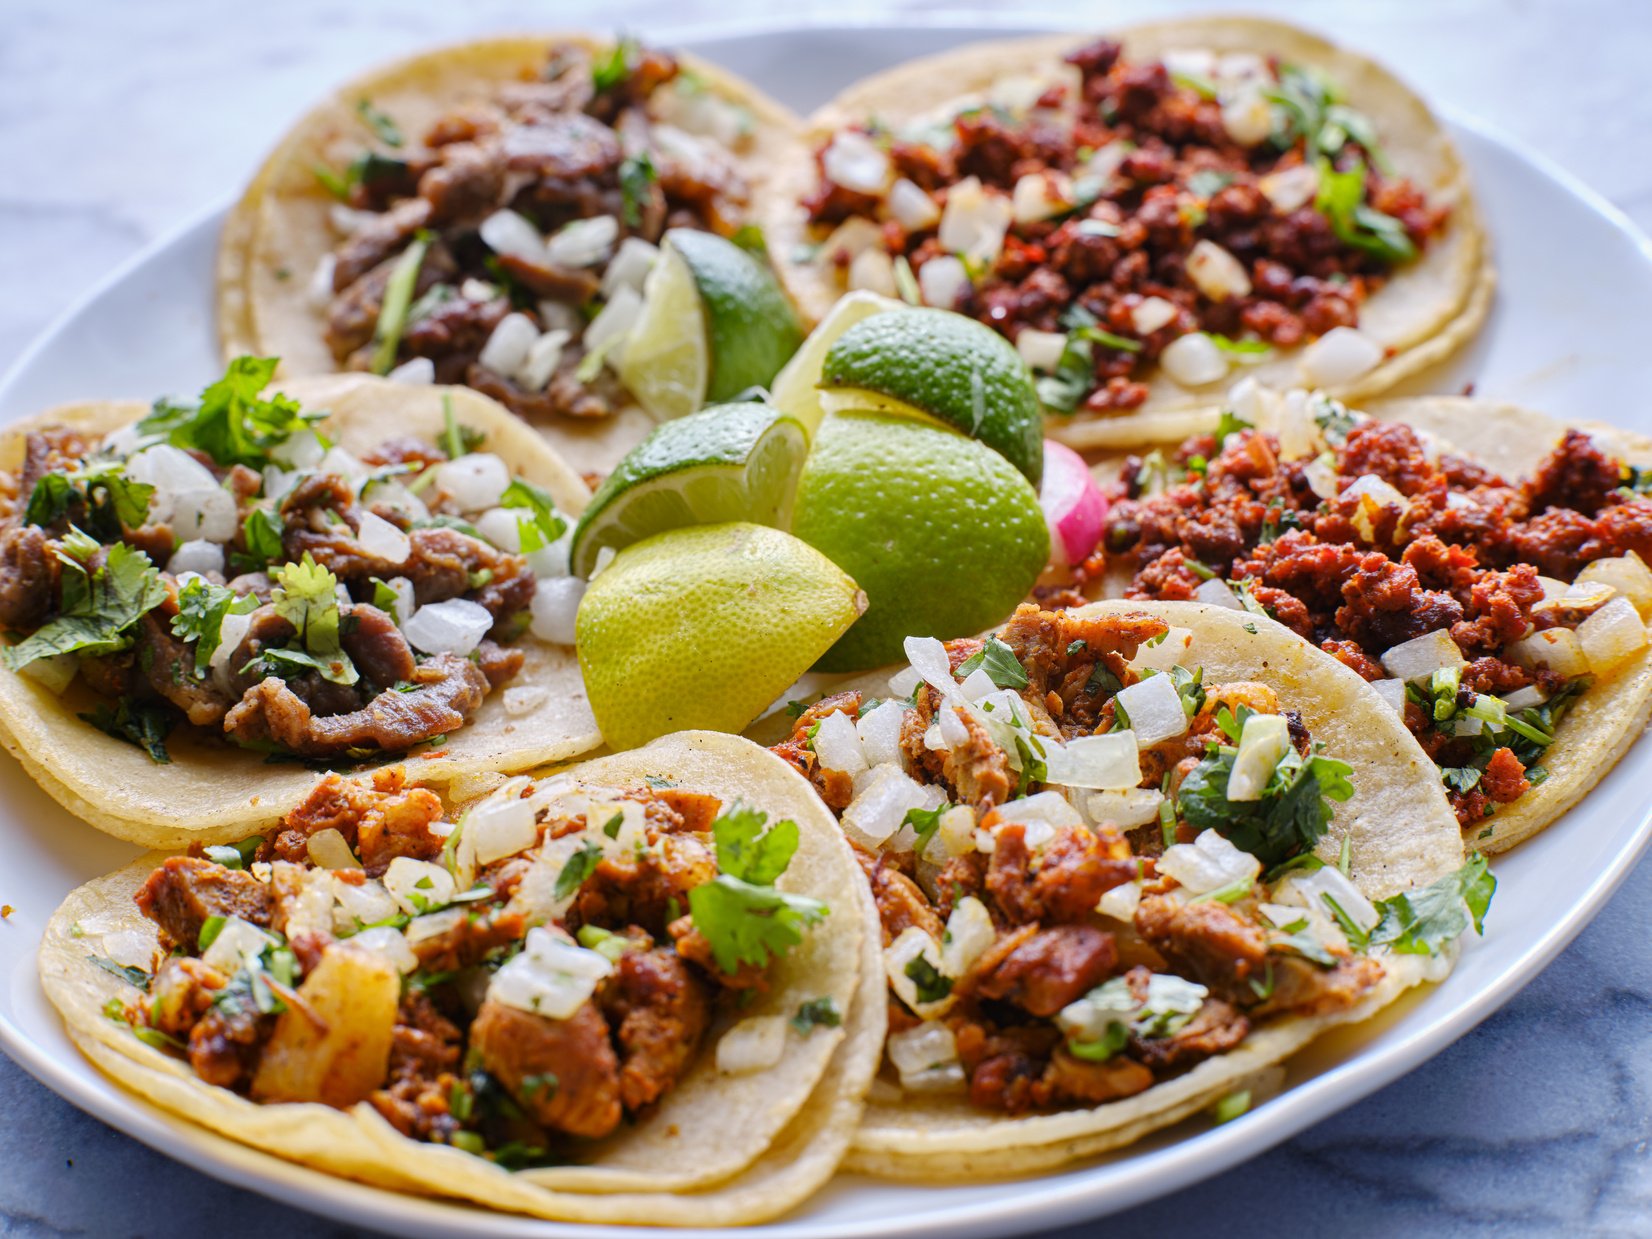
point(1146, 212)
point(486, 214)
point(1125, 857)
point(620, 993)
point(343, 572)
point(1483, 565)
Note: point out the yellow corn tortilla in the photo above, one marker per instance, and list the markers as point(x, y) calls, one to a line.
point(277, 233)
point(1400, 833)
point(719, 1150)
point(1426, 311)
point(212, 792)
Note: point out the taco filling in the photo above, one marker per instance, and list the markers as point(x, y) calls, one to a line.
point(1187, 213)
point(222, 564)
point(1095, 870)
point(512, 984)
point(505, 247)
point(1482, 607)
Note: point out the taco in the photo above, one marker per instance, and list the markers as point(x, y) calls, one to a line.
point(606, 994)
point(1144, 212)
point(1482, 564)
point(462, 216)
point(1126, 857)
point(343, 572)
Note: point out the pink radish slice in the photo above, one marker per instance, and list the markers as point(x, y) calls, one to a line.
point(1073, 505)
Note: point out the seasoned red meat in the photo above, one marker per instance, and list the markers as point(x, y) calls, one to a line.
point(659, 1011)
point(563, 1073)
point(185, 890)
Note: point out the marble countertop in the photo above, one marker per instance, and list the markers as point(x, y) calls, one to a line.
point(118, 121)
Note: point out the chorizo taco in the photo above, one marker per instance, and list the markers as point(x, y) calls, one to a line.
point(207, 599)
point(632, 991)
point(486, 214)
point(1146, 212)
point(1126, 857)
point(1483, 565)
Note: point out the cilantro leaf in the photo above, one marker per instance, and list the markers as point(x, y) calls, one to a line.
point(1341, 199)
point(143, 725)
point(581, 865)
point(99, 608)
point(928, 981)
point(113, 501)
point(636, 174)
point(924, 822)
point(750, 924)
point(1290, 816)
point(612, 70)
point(379, 122)
point(230, 422)
point(261, 531)
point(1422, 922)
point(748, 851)
point(816, 1013)
point(306, 596)
point(1003, 668)
point(202, 607)
point(545, 526)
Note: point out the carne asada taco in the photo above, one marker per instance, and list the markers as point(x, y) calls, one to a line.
point(1125, 857)
point(348, 571)
point(1484, 565)
point(486, 214)
point(1146, 212)
point(604, 994)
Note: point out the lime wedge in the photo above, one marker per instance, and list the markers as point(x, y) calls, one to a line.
point(794, 390)
point(730, 462)
point(705, 627)
point(714, 324)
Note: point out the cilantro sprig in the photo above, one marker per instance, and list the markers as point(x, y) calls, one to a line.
point(740, 913)
point(231, 422)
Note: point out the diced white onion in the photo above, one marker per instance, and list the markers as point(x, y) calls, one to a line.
point(954, 835)
point(479, 291)
point(415, 370)
point(873, 271)
point(502, 527)
point(1393, 692)
point(912, 208)
point(1612, 635)
point(1048, 808)
point(607, 331)
point(362, 904)
point(453, 626)
point(238, 944)
point(507, 348)
point(943, 281)
point(388, 942)
point(853, 236)
point(434, 924)
point(1208, 863)
point(544, 356)
point(953, 730)
point(928, 1046)
point(1155, 710)
point(198, 515)
point(881, 805)
point(969, 932)
point(929, 659)
point(630, 267)
point(500, 827)
point(555, 609)
point(1421, 657)
point(903, 682)
point(418, 886)
point(230, 633)
point(1106, 761)
point(756, 1043)
point(880, 732)
point(319, 291)
point(1339, 356)
point(1216, 273)
point(1041, 350)
point(198, 556)
point(837, 744)
point(1290, 189)
point(404, 604)
point(510, 234)
point(912, 944)
point(856, 162)
point(1525, 698)
point(1194, 360)
point(169, 469)
point(1309, 890)
point(1265, 739)
point(1125, 807)
point(584, 242)
point(1217, 593)
point(1556, 648)
point(474, 481)
point(974, 221)
point(523, 699)
point(551, 977)
point(1321, 475)
point(382, 540)
point(1041, 195)
point(1121, 902)
point(1247, 115)
point(1151, 313)
point(329, 849)
point(977, 684)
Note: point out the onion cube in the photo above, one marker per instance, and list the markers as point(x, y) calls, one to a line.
point(474, 481)
point(1155, 710)
point(1217, 593)
point(584, 242)
point(1167, 652)
point(551, 977)
point(455, 626)
point(501, 827)
point(1393, 693)
point(501, 526)
point(912, 208)
point(928, 1046)
point(1125, 808)
point(507, 348)
point(873, 270)
point(1217, 273)
point(856, 162)
point(912, 945)
point(756, 1043)
point(1151, 313)
point(1041, 350)
point(837, 744)
point(1420, 657)
point(388, 941)
point(1048, 808)
point(1627, 574)
point(1555, 648)
point(1106, 761)
point(1339, 356)
point(880, 733)
point(555, 609)
point(630, 266)
point(881, 805)
point(382, 540)
point(943, 281)
point(1265, 739)
point(1612, 635)
point(198, 556)
point(1194, 360)
point(1209, 862)
point(544, 356)
point(420, 371)
point(974, 222)
point(418, 886)
point(510, 234)
point(969, 932)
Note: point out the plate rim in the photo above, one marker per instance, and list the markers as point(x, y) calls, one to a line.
point(1157, 1173)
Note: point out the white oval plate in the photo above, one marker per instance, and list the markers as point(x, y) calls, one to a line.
point(1567, 337)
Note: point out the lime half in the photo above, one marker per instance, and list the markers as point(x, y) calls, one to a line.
point(794, 390)
point(714, 323)
point(705, 627)
point(947, 367)
point(730, 462)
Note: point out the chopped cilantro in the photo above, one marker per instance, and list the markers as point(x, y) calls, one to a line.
point(306, 596)
point(1003, 668)
point(202, 607)
point(636, 174)
point(382, 126)
point(816, 1013)
point(744, 918)
point(1291, 815)
point(924, 823)
point(545, 526)
point(930, 983)
point(581, 865)
point(1422, 922)
point(1341, 200)
point(231, 422)
point(99, 608)
point(612, 70)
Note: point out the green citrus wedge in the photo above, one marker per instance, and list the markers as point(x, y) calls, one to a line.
point(794, 389)
point(938, 364)
point(714, 323)
point(729, 462)
point(706, 627)
point(941, 532)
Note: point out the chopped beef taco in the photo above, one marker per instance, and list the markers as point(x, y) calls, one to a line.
point(1483, 565)
point(1125, 857)
point(342, 572)
point(1144, 213)
point(645, 989)
point(486, 214)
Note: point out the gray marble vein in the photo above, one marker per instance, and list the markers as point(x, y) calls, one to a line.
point(120, 120)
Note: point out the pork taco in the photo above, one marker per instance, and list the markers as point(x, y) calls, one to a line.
point(1483, 565)
point(486, 214)
point(1146, 212)
point(616, 993)
point(207, 599)
point(1125, 857)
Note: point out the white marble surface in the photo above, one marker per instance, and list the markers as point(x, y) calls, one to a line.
point(119, 120)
